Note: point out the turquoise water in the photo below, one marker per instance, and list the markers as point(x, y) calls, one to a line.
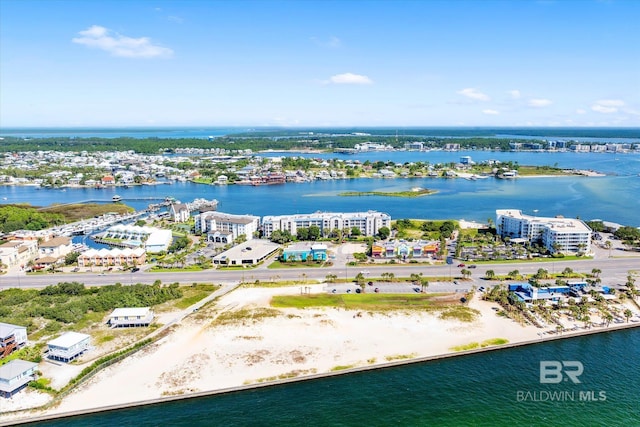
point(476, 390)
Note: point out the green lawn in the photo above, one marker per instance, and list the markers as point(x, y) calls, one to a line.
point(375, 302)
point(299, 264)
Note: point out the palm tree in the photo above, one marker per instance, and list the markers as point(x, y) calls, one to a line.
point(331, 278)
point(514, 274)
point(596, 272)
point(490, 274)
point(608, 318)
point(608, 245)
point(424, 284)
point(627, 314)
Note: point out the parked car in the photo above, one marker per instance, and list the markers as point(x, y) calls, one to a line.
point(461, 265)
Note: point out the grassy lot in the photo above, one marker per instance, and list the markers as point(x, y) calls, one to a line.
point(299, 264)
point(194, 293)
point(157, 269)
point(84, 211)
point(374, 302)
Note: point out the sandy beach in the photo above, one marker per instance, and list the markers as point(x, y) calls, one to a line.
point(200, 355)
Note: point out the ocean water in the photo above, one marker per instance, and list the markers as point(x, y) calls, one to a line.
point(498, 388)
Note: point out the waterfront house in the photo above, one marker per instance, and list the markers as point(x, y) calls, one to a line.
point(12, 337)
point(131, 316)
point(108, 181)
point(305, 252)
point(68, 346)
point(15, 376)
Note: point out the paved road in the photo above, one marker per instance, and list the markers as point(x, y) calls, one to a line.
point(614, 271)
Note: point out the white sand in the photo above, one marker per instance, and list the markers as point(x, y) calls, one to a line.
point(199, 357)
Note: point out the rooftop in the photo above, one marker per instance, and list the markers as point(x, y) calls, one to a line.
point(68, 339)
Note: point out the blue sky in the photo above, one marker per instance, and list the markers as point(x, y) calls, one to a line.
point(319, 63)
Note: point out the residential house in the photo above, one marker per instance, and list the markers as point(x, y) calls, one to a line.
point(18, 253)
point(57, 247)
point(15, 376)
point(131, 316)
point(12, 337)
point(68, 346)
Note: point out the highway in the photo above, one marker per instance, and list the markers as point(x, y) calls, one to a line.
point(614, 272)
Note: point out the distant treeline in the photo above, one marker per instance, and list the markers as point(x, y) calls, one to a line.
point(156, 145)
point(325, 139)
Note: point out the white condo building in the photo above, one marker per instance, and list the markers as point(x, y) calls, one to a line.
point(368, 222)
point(566, 235)
point(225, 228)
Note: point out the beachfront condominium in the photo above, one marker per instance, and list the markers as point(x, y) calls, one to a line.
point(226, 228)
point(566, 235)
point(369, 223)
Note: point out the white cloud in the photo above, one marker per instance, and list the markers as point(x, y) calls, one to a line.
point(491, 112)
point(581, 111)
point(474, 94)
point(98, 37)
point(350, 79)
point(176, 19)
point(539, 102)
point(515, 94)
point(333, 42)
point(607, 106)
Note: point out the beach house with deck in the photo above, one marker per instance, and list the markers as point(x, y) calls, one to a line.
point(130, 316)
point(12, 337)
point(68, 346)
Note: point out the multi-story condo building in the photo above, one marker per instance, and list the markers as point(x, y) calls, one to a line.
point(566, 235)
point(367, 222)
point(225, 228)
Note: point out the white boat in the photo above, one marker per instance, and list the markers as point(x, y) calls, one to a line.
point(116, 198)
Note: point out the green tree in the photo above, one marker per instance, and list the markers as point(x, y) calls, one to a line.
point(71, 258)
point(384, 233)
point(314, 232)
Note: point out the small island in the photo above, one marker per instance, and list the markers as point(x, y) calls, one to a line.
point(414, 192)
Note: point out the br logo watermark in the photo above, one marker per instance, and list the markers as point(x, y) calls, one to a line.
point(558, 372)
